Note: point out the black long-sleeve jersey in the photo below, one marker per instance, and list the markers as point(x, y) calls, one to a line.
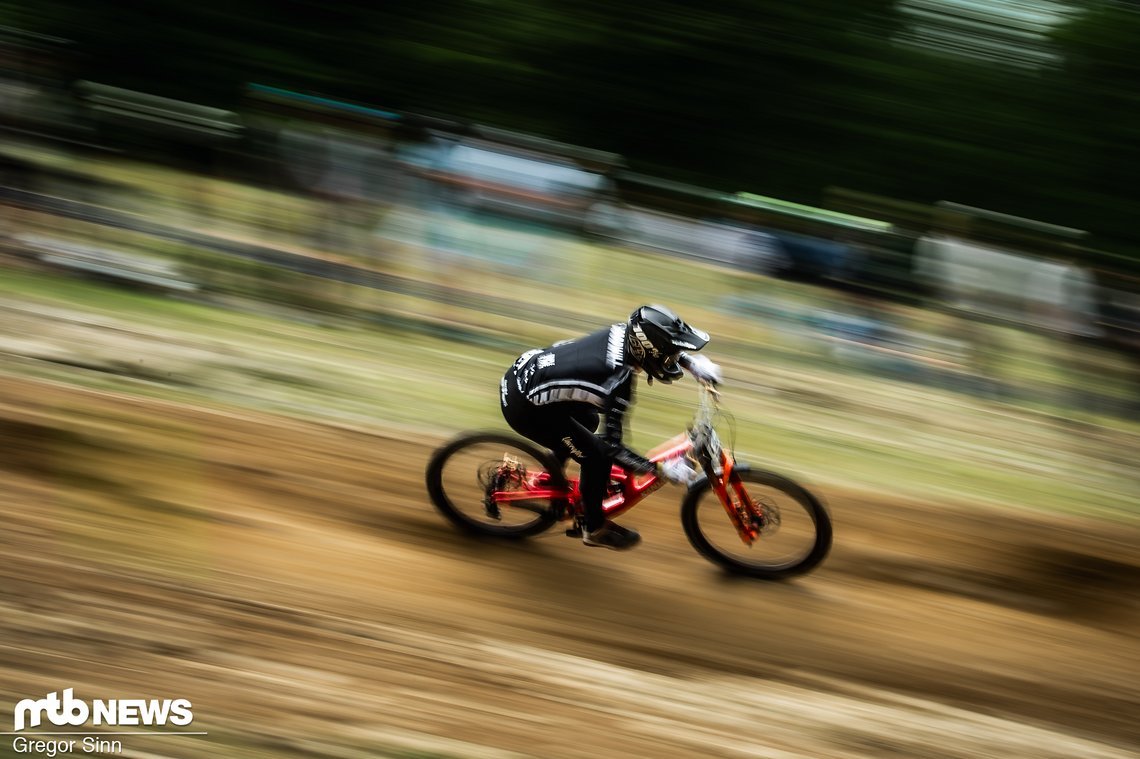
point(589, 370)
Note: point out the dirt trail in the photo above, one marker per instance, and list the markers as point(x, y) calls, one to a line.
point(293, 582)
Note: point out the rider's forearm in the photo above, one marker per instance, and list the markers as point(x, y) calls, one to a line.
point(613, 430)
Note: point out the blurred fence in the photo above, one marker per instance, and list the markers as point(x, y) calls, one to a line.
point(286, 203)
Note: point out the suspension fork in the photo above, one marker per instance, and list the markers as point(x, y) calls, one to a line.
point(734, 497)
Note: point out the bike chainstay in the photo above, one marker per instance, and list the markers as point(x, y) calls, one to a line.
point(512, 471)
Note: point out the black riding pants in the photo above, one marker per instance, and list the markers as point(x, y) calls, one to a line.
point(568, 430)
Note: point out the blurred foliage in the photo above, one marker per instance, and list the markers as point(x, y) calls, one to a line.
point(783, 99)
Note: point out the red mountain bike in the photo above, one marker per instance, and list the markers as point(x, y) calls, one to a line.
point(749, 521)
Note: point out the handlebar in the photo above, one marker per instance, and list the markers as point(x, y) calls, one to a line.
point(700, 433)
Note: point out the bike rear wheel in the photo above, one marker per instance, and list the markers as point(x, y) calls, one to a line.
point(794, 527)
point(480, 482)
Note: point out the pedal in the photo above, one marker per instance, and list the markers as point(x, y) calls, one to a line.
point(574, 532)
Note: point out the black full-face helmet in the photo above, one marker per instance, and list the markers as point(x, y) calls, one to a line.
point(655, 338)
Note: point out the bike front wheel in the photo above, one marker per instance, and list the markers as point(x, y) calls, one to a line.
point(495, 484)
point(791, 528)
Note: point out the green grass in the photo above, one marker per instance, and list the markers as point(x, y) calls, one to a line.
point(431, 370)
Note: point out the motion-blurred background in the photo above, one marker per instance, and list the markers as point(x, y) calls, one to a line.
point(972, 157)
point(909, 225)
point(940, 192)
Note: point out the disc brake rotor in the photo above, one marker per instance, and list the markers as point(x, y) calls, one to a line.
point(765, 515)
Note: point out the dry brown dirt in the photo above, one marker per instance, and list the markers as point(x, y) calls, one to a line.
point(292, 581)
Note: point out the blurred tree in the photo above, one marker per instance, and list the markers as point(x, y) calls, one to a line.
point(1098, 106)
point(778, 98)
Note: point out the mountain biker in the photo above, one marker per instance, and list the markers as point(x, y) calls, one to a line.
point(557, 396)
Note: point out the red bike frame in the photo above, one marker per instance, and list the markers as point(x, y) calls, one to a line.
point(630, 489)
point(627, 490)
